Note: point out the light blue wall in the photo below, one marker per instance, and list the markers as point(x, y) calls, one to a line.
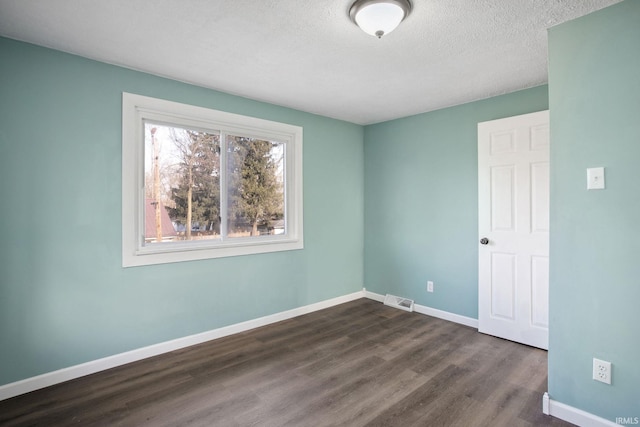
point(421, 201)
point(64, 297)
point(594, 81)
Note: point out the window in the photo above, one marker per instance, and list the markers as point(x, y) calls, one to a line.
point(199, 183)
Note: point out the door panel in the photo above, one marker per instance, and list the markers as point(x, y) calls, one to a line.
point(513, 194)
point(503, 283)
point(503, 142)
point(540, 197)
point(540, 291)
point(502, 202)
point(540, 137)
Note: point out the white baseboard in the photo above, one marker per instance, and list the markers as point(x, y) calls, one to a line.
point(373, 295)
point(423, 309)
point(573, 415)
point(50, 378)
point(445, 315)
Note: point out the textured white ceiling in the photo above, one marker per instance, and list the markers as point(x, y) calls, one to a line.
point(307, 54)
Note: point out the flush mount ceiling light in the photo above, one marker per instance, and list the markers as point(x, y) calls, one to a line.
point(379, 17)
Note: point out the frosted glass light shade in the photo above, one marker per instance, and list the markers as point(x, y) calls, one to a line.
point(379, 17)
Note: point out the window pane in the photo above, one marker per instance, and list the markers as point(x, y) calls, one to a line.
point(255, 183)
point(182, 184)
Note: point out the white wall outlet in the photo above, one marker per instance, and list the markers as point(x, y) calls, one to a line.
point(429, 286)
point(602, 371)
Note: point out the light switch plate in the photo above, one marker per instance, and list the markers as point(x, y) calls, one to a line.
point(595, 179)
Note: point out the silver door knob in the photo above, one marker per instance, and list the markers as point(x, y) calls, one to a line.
point(484, 241)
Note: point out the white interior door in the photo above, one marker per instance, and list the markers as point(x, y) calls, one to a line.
point(513, 202)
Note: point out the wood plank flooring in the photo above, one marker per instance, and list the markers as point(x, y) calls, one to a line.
point(356, 364)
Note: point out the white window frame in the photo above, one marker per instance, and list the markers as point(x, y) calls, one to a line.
point(135, 110)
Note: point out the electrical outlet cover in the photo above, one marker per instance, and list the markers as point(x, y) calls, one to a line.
point(602, 371)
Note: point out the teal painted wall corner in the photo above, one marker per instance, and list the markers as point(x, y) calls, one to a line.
point(64, 297)
point(594, 85)
point(421, 201)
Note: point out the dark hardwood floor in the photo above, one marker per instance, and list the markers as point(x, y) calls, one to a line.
point(359, 363)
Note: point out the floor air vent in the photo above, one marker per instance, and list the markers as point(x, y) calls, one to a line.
point(405, 304)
